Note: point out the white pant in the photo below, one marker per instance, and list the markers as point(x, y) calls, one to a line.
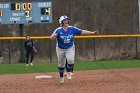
point(63, 54)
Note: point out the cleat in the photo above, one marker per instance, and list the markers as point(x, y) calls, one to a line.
point(71, 73)
point(31, 64)
point(69, 76)
point(61, 80)
point(27, 64)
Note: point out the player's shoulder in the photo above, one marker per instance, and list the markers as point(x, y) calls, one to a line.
point(73, 27)
point(58, 29)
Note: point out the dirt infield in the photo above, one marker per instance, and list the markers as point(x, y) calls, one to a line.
point(95, 81)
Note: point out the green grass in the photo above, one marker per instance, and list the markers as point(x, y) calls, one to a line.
point(52, 67)
point(107, 65)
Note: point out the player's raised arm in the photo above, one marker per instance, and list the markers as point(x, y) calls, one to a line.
point(86, 32)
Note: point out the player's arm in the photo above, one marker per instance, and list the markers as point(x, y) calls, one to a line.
point(86, 32)
point(32, 43)
point(53, 36)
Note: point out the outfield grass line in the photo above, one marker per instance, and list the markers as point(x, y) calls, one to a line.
point(52, 67)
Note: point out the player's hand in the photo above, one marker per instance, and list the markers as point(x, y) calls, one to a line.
point(35, 51)
point(96, 32)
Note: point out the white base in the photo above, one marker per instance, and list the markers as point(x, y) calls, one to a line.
point(44, 77)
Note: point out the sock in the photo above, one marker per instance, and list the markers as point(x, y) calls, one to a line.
point(69, 67)
point(61, 71)
point(72, 68)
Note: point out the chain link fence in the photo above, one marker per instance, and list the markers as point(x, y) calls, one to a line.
point(109, 16)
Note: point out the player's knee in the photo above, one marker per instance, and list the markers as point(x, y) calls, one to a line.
point(70, 61)
point(61, 65)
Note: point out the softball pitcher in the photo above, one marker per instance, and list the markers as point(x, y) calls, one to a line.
point(65, 47)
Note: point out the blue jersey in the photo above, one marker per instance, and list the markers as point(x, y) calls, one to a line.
point(65, 39)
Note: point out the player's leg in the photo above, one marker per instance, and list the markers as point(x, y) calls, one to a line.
point(32, 56)
point(67, 68)
point(66, 64)
point(72, 70)
point(27, 57)
point(70, 55)
point(61, 62)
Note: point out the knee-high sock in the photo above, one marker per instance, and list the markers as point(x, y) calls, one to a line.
point(61, 71)
point(69, 67)
point(72, 68)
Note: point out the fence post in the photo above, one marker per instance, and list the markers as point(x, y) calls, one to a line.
point(9, 54)
point(22, 60)
point(94, 42)
point(50, 51)
point(136, 42)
